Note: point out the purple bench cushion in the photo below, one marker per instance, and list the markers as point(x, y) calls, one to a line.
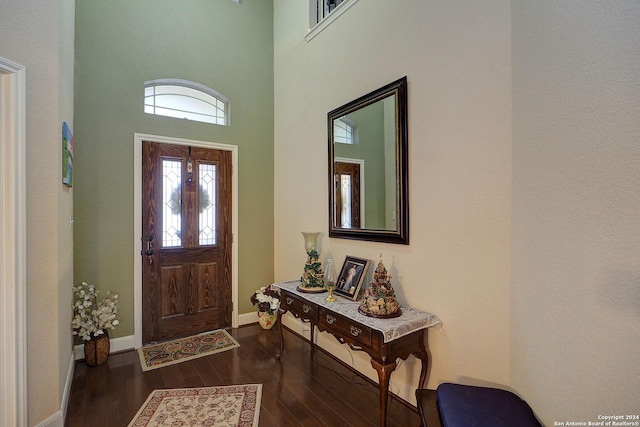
point(470, 406)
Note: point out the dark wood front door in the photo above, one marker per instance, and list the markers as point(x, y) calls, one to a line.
point(186, 253)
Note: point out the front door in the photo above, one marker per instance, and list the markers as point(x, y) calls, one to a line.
point(186, 221)
point(347, 195)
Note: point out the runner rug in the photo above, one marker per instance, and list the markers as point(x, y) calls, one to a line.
point(226, 406)
point(158, 355)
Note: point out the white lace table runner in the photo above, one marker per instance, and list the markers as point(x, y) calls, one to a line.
point(410, 321)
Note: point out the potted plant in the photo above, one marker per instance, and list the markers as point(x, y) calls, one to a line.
point(268, 302)
point(91, 320)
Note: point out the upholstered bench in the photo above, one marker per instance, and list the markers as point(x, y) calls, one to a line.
point(470, 406)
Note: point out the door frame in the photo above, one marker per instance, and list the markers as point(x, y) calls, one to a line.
point(137, 228)
point(359, 162)
point(13, 252)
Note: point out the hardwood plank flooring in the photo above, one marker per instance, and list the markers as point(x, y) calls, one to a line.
point(304, 388)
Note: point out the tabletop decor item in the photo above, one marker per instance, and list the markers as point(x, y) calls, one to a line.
point(268, 301)
point(379, 298)
point(312, 278)
point(329, 280)
point(92, 318)
point(310, 240)
point(351, 278)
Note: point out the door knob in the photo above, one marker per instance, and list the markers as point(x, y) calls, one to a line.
point(149, 245)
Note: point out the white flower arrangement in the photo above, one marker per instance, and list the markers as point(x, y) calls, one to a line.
point(266, 299)
point(91, 317)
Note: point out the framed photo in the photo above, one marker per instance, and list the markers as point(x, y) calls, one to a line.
point(353, 272)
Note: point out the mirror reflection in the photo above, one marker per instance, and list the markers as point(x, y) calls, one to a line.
point(367, 152)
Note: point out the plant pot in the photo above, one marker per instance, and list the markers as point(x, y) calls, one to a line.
point(96, 350)
point(266, 319)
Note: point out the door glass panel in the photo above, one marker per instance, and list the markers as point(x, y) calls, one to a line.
point(171, 203)
point(345, 189)
point(207, 196)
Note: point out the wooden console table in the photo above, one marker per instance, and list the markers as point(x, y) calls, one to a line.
point(385, 340)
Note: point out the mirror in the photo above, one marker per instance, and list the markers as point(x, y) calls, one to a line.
point(368, 182)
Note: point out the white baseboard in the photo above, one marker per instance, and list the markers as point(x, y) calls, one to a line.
point(247, 318)
point(57, 419)
point(115, 345)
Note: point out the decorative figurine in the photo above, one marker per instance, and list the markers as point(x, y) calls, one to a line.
point(379, 298)
point(311, 281)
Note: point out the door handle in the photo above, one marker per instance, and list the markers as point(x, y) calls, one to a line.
point(149, 251)
point(149, 245)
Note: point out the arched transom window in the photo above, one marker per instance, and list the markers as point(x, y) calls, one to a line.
point(184, 99)
point(344, 131)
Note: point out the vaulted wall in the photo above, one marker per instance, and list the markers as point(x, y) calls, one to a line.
point(221, 44)
point(575, 293)
point(456, 57)
point(523, 154)
point(39, 36)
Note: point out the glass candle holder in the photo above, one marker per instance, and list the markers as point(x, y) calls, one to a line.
point(310, 240)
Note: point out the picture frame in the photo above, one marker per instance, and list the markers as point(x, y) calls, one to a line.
point(67, 155)
point(352, 275)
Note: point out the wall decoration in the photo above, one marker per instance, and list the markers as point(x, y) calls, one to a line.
point(351, 277)
point(67, 155)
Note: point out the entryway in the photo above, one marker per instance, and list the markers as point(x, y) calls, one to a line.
point(186, 217)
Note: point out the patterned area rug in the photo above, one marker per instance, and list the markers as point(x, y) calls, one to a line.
point(157, 355)
point(226, 406)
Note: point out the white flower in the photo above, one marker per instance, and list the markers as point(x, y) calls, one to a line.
point(266, 299)
point(92, 317)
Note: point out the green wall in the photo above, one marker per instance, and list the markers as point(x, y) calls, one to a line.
point(120, 45)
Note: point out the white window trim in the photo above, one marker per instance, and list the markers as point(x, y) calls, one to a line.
point(320, 26)
point(355, 131)
point(196, 86)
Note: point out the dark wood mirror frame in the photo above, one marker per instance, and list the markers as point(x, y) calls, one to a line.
point(400, 234)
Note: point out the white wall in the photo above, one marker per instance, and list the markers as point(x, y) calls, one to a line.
point(575, 306)
point(456, 56)
point(39, 35)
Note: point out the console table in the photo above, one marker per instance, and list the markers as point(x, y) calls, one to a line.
point(385, 340)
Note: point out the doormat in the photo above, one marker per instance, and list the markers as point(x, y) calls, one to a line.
point(236, 405)
point(158, 355)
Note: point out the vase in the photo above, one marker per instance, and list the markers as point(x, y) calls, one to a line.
point(96, 350)
point(266, 319)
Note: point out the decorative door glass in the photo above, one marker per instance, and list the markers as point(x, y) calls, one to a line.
point(345, 197)
point(171, 203)
point(207, 215)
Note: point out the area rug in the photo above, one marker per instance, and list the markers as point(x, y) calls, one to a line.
point(225, 406)
point(158, 355)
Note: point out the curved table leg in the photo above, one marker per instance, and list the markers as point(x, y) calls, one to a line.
point(424, 358)
point(384, 373)
point(280, 313)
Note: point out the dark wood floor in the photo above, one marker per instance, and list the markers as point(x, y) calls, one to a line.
point(303, 388)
